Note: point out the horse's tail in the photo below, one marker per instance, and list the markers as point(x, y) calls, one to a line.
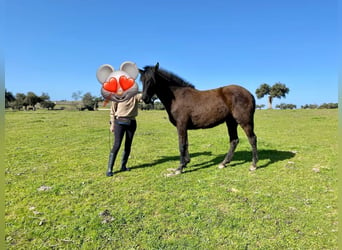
point(253, 103)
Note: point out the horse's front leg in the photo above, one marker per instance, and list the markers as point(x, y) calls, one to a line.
point(187, 155)
point(183, 149)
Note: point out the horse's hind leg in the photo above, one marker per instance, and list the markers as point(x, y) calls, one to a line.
point(253, 141)
point(234, 141)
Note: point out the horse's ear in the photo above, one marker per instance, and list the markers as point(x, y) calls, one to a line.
point(141, 71)
point(156, 68)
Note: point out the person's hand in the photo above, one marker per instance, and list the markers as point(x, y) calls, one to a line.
point(111, 127)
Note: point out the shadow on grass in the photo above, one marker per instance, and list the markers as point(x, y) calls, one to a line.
point(240, 158)
point(243, 157)
point(164, 159)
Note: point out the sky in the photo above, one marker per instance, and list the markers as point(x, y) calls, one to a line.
point(56, 46)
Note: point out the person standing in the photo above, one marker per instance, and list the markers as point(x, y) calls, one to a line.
point(122, 123)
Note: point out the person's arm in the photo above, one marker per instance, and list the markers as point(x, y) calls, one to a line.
point(113, 109)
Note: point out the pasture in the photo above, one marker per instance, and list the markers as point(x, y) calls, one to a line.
point(58, 197)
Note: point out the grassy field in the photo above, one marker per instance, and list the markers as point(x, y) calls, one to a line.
point(57, 194)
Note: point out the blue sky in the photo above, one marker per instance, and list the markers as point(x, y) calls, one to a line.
point(56, 46)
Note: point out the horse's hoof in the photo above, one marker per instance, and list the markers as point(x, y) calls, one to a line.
point(109, 174)
point(221, 166)
point(252, 168)
point(174, 173)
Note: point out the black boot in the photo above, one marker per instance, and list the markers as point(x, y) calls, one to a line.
point(124, 162)
point(110, 164)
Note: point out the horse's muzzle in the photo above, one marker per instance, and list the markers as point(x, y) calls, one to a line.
point(146, 99)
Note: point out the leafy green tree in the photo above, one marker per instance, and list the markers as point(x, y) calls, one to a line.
point(9, 97)
point(45, 101)
point(97, 101)
point(44, 97)
point(88, 101)
point(278, 90)
point(32, 99)
point(19, 101)
point(48, 104)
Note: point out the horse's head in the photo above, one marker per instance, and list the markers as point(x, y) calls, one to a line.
point(148, 79)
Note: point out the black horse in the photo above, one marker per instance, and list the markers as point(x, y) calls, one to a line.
point(189, 108)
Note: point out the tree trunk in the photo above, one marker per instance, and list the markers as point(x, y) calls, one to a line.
point(270, 102)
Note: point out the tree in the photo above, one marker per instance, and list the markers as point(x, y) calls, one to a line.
point(278, 90)
point(77, 95)
point(9, 97)
point(48, 104)
point(88, 101)
point(44, 97)
point(19, 101)
point(31, 100)
point(97, 100)
point(45, 101)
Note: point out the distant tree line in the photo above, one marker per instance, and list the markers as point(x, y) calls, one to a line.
point(286, 106)
point(31, 101)
point(28, 101)
point(87, 101)
point(279, 90)
point(306, 106)
point(322, 106)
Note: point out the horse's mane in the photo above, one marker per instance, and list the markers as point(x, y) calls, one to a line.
point(171, 78)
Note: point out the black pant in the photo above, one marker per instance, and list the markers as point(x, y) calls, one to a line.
point(119, 132)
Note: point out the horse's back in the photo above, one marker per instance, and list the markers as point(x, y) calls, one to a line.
point(239, 95)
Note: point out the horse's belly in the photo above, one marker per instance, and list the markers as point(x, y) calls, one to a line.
point(207, 119)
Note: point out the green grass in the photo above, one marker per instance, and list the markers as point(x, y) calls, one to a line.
point(289, 203)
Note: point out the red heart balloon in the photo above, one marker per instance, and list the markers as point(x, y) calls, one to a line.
point(126, 83)
point(111, 85)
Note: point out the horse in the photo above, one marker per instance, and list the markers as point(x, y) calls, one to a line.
point(189, 108)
